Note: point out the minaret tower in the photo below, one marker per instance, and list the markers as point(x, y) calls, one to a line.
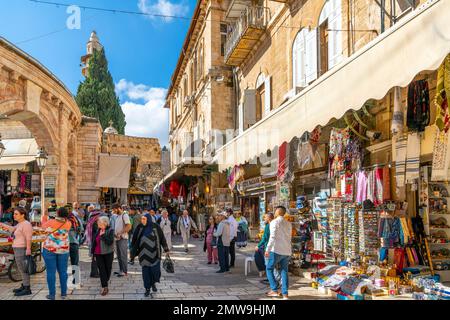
point(93, 44)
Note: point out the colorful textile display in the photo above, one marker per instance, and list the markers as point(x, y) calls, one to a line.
point(397, 115)
point(442, 94)
point(412, 157)
point(339, 139)
point(174, 188)
point(418, 116)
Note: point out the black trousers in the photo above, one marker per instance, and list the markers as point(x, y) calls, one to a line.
point(74, 254)
point(224, 255)
point(104, 263)
point(232, 252)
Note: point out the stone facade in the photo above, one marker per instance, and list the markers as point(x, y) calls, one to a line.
point(147, 152)
point(200, 93)
point(273, 55)
point(35, 104)
point(30, 94)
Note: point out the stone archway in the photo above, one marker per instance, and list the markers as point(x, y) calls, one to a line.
point(31, 94)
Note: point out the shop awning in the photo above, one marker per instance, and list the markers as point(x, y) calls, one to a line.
point(114, 171)
point(420, 41)
point(18, 152)
point(15, 162)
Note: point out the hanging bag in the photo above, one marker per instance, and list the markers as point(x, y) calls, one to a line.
point(30, 265)
point(168, 265)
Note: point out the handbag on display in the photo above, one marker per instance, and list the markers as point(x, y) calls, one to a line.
point(168, 265)
point(30, 265)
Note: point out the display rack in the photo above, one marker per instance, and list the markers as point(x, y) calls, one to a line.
point(435, 212)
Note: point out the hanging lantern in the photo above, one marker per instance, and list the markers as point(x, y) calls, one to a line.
point(41, 158)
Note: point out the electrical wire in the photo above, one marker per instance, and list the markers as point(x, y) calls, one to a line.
point(164, 16)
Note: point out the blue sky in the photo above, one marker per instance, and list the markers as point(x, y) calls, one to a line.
point(142, 51)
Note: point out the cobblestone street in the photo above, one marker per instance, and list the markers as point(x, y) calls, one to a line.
point(193, 279)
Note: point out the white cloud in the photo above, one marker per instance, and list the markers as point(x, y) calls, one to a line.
point(163, 7)
point(144, 110)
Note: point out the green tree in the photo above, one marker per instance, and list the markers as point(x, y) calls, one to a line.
point(96, 96)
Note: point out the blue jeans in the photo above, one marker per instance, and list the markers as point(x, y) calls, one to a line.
point(276, 273)
point(56, 262)
point(273, 260)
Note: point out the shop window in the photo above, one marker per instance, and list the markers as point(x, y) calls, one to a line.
point(330, 35)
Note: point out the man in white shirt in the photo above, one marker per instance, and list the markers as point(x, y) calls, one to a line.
point(223, 235)
point(233, 236)
point(166, 226)
point(278, 251)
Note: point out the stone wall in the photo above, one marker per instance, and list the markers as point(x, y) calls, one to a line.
point(147, 150)
point(89, 147)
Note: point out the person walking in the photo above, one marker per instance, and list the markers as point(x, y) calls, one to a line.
point(91, 229)
point(135, 219)
point(173, 219)
point(146, 244)
point(184, 226)
point(260, 260)
point(75, 235)
point(210, 244)
point(56, 250)
point(278, 251)
point(242, 230)
point(166, 226)
point(122, 226)
point(23, 233)
point(103, 251)
point(233, 236)
point(223, 242)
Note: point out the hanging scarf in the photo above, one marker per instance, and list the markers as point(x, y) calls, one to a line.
point(418, 116)
point(442, 94)
point(441, 157)
point(400, 160)
point(148, 228)
point(75, 222)
point(89, 227)
point(397, 115)
point(412, 157)
point(282, 155)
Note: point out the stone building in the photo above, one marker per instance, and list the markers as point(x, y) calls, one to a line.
point(38, 111)
point(200, 99)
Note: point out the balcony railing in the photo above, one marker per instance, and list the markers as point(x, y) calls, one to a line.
point(249, 26)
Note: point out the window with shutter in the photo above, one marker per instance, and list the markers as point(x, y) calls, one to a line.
point(311, 56)
point(330, 35)
point(299, 59)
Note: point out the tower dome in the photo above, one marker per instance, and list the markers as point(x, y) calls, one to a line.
point(111, 129)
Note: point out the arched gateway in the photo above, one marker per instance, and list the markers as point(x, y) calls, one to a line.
point(31, 94)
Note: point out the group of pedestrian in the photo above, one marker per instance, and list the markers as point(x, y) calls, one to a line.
point(224, 231)
point(126, 232)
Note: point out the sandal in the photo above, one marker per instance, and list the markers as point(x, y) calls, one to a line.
point(273, 294)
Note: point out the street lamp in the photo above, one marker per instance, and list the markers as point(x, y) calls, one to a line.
point(41, 160)
point(2, 147)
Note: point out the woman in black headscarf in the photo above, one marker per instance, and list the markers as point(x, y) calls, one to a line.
point(146, 244)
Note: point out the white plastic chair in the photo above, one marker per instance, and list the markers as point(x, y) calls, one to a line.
point(248, 264)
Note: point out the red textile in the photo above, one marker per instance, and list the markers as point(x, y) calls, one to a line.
point(174, 189)
point(386, 184)
point(282, 160)
point(399, 259)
